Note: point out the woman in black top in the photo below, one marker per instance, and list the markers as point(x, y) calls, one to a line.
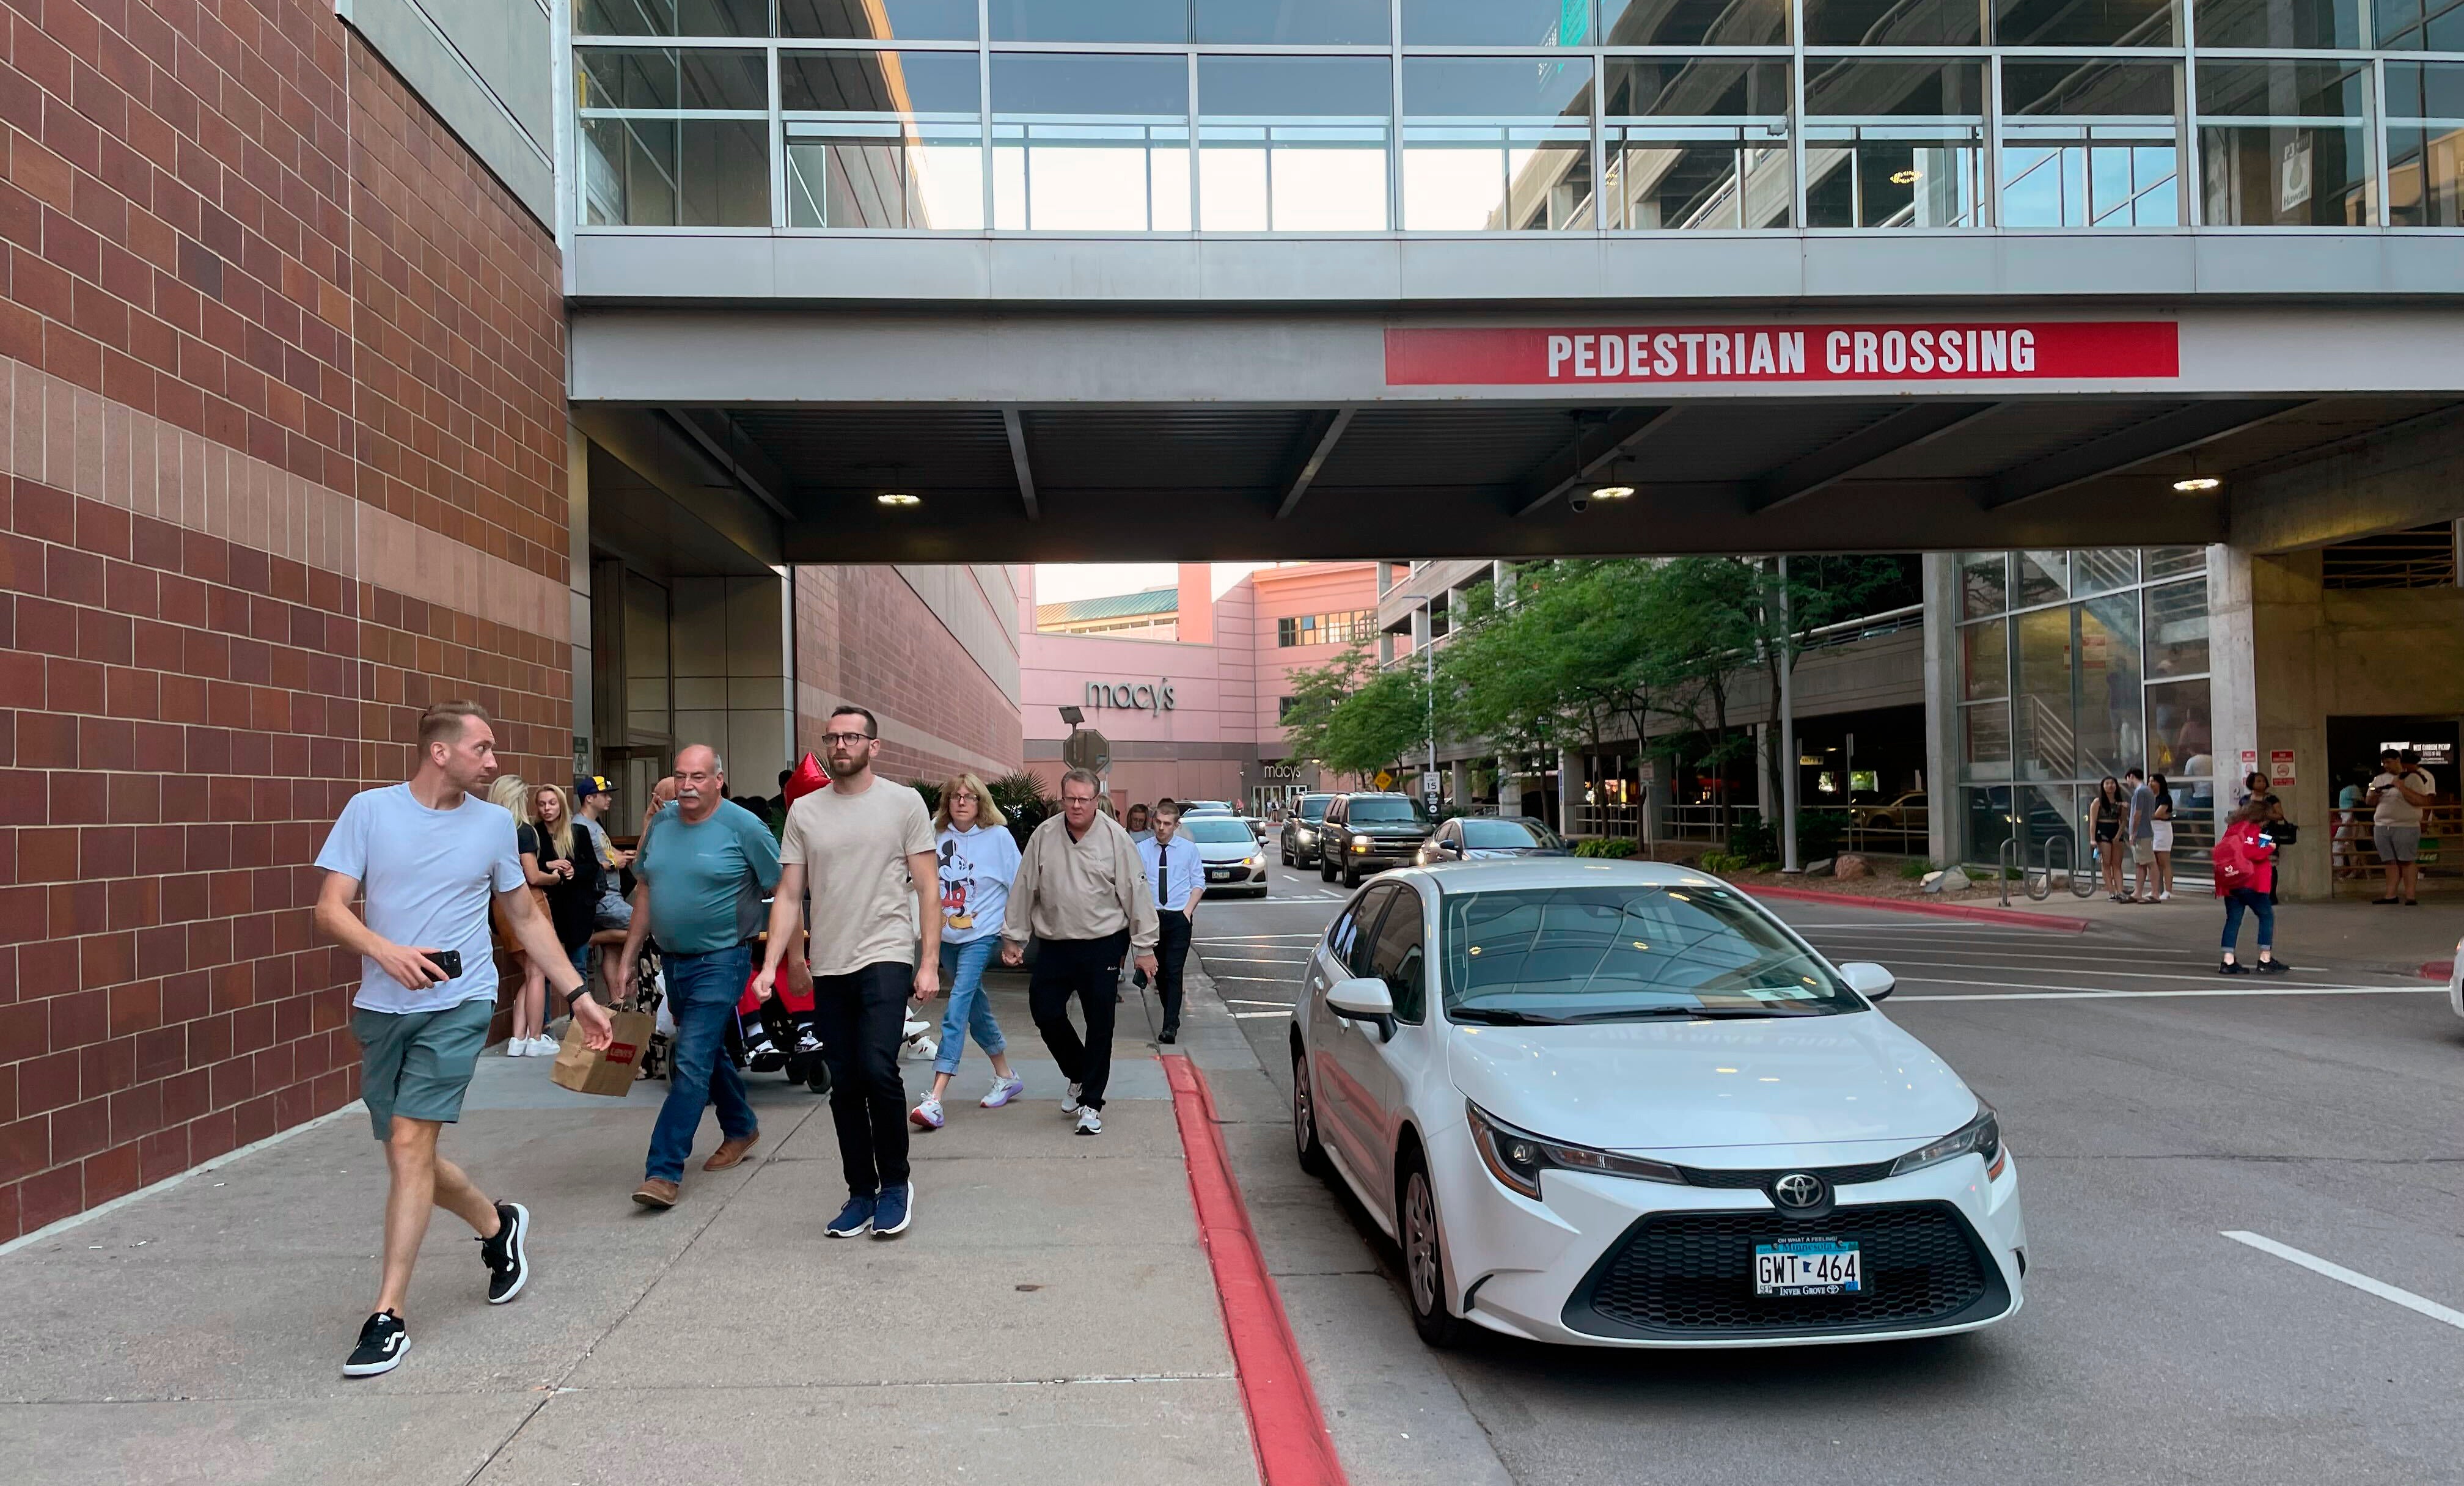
point(2106, 816)
point(559, 863)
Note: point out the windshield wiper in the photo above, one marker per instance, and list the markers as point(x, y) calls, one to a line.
point(1499, 1016)
point(1691, 1013)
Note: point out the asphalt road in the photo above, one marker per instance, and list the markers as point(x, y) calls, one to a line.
point(2153, 1109)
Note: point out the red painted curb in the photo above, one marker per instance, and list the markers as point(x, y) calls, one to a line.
point(1286, 1426)
point(2011, 917)
point(2438, 970)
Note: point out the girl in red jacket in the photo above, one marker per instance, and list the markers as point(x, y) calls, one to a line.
point(2245, 867)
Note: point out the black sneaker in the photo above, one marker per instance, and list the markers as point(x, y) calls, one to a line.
point(2273, 968)
point(509, 1268)
point(383, 1345)
point(2233, 968)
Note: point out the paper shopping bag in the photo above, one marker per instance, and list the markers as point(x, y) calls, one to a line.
point(610, 1070)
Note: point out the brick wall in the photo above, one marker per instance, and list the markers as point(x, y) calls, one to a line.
point(281, 375)
point(864, 636)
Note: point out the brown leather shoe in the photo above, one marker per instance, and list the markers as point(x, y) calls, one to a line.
point(731, 1151)
point(656, 1192)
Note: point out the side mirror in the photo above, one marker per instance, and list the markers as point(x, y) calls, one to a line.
point(1868, 979)
point(1364, 999)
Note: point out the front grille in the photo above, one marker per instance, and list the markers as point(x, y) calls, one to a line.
point(1833, 1176)
point(1691, 1276)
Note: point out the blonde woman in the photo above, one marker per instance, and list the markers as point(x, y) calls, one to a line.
point(979, 860)
point(511, 795)
point(561, 864)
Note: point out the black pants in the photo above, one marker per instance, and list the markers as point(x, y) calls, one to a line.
point(861, 1016)
point(1172, 956)
point(1089, 969)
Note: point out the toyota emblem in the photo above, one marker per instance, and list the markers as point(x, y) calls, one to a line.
point(1797, 1189)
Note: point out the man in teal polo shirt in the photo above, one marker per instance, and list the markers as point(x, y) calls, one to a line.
point(703, 867)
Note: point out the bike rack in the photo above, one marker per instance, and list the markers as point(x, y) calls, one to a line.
point(2008, 862)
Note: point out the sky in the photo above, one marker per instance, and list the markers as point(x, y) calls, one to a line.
point(1060, 583)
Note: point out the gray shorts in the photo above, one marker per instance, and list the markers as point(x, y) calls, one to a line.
point(2397, 843)
point(614, 912)
point(418, 1064)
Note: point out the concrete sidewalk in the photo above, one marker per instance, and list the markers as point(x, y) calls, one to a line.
point(2341, 934)
point(1050, 1317)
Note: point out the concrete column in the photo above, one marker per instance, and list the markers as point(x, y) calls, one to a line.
point(1420, 628)
point(1763, 802)
point(1386, 647)
point(1500, 578)
point(1569, 789)
point(733, 682)
point(2233, 681)
point(1509, 786)
point(1941, 589)
point(1459, 782)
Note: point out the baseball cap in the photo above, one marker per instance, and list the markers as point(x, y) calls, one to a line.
point(585, 785)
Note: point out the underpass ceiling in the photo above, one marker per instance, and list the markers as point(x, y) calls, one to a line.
point(1446, 479)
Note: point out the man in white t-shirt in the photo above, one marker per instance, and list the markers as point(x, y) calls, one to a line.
point(864, 849)
point(429, 855)
point(2396, 798)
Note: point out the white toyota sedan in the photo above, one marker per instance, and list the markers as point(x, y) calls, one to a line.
point(1617, 1104)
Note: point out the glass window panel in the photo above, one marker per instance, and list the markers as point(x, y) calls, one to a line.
point(2090, 88)
point(2043, 726)
point(2425, 176)
point(1293, 22)
point(1661, 23)
point(1497, 23)
point(2287, 175)
point(1894, 23)
point(2103, 569)
point(670, 78)
point(1847, 87)
point(2085, 23)
point(1293, 143)
point(2307, 25)
point(676, 172)
point(2164, 563)
point(1912, 167)
point(1989, 822)
point(896, 84)
point(879, 20)
point(1494, 143)
point(1091, 20)
point(2090, 142)
point(1705, 87)
point(1984, 583)
point(1093, 144)
point(1699, 174)
point(2284, 90)
point(672, 17)
point(2108, 686)
point(2043, 578)
point(2045, 812)
point(2425, 90)
point(2177, 629)
point(2416, 24)
point(1985, 741)
point(861, 173)
point(1985, 660)
point(2181, 740)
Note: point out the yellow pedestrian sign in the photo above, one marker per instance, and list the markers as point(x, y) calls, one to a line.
point(1384, 779)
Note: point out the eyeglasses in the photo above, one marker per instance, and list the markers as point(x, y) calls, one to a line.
point(845, 739)
point(962, 795)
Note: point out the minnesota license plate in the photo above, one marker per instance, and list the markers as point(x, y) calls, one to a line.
point(1221, 874)
point(1808, 1266)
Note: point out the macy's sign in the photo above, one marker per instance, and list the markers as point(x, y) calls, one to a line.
point(1153, 697)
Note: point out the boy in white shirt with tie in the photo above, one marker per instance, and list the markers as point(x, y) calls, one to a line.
point(1176, 877)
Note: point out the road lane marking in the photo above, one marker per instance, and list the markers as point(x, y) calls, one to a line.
point(1263, 980)
point(2109, 970)
point(2343, 1276)
point(1255, 1015)
point(1252, 959)
point(1235, 1000)
point(2154, 995)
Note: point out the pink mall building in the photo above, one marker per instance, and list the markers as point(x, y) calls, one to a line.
point(1187, 683)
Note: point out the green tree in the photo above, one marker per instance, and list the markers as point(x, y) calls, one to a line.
point(1352, 717)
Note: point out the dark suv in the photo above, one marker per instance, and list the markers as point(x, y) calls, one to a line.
point(1300, 830)
point(1363, 833)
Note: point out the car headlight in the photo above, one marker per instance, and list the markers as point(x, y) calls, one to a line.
point(1517, 1157)
point(1301, 833)
point(1360, 844)
point(1981, 1136)
point(1253, 861)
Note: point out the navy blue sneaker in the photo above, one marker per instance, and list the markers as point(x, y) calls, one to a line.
point(893, 1209)
point(855, 1217)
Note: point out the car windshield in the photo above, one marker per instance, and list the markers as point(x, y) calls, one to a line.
point(1628, 952)
point(1382, 812)
point(1205, 807)
point(1494, 834)
point(1220, 830)
point(1312, 807)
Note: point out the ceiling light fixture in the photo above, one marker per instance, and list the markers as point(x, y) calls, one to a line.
point(898, 499)
point(1612, 491)
point(1904, 178)
point(2197, 484)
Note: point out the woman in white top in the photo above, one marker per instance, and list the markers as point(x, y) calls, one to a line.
point(978, 861)
point(2164, 838)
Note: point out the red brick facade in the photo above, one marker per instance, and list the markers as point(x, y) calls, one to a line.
point(284, 399)
point(864, 636)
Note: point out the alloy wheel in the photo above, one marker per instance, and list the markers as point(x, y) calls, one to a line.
point(1421, 1245)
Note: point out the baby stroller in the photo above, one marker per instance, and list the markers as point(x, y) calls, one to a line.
point(776, 1034)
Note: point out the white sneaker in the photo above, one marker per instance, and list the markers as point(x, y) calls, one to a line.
point(911, 1028)
point(1003, 1090)
point(545, 1047)
point(518, 1047)
point(1069, 1101)
point(1089, 1123)
point(926, 1116)
point(2163, 897)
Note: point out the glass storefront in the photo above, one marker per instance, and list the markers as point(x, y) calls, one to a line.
point(1549, 116)
point(2072, 667)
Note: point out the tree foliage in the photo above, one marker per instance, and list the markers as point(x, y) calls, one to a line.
point(1352, 717)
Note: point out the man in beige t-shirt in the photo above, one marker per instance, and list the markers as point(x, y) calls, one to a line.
point(864, 848)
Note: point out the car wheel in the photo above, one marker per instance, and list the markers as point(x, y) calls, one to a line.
point(1325, 869)
point(1350, 877)
point(1287, 855)
point(1305, 1141)
point(1424, 1262)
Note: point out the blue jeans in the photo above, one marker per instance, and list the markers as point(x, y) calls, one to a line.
point(970, 1010)
point(702, 993)
point(2257, 903)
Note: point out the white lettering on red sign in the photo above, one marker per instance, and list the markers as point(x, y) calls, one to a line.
point(2084, 350)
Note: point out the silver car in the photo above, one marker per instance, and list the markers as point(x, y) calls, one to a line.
point(1234, 859)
